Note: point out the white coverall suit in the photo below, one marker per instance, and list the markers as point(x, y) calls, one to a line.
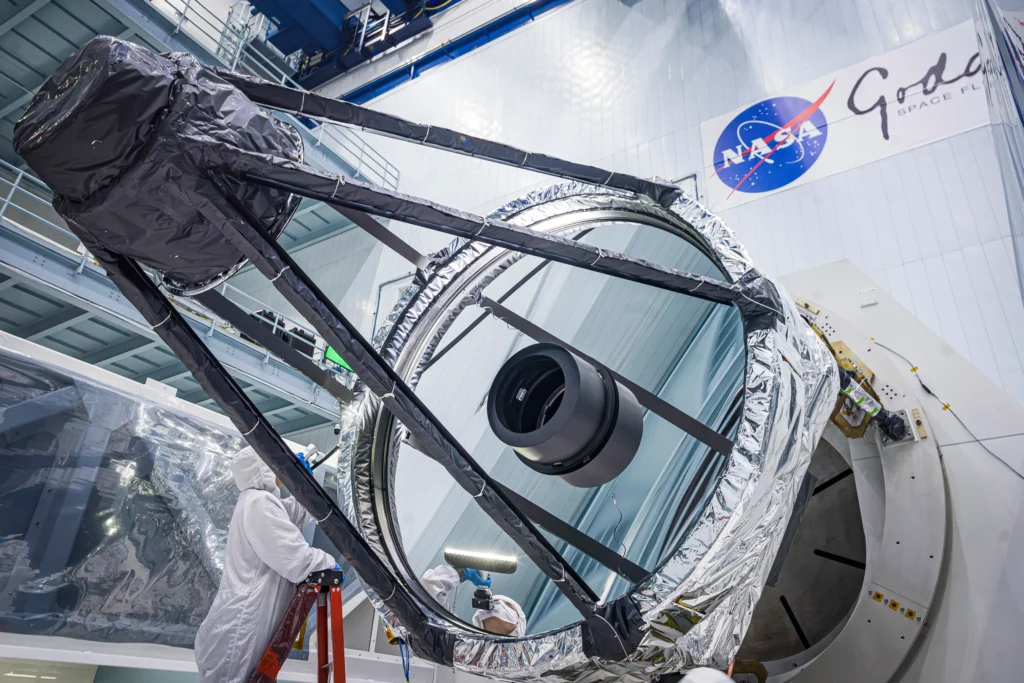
point(441, 582)
point(266, 557)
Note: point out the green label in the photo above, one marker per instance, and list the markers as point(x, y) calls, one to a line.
point(333, 356)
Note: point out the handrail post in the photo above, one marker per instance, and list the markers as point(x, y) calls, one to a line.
point(242, 34)
point(238, 55)
point(181, 19)
point(362, 34)
point(17, 182)
point(277, 320)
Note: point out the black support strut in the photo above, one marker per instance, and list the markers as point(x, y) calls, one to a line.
point(341, 191)
point(250, 327)
point(501, 299)
point(316, 106)
point(385, 236)
point(622, 566)
point(338, 191)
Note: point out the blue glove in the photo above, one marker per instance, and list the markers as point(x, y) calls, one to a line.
point(476, 578)
point(302, 458)
point(337, 567)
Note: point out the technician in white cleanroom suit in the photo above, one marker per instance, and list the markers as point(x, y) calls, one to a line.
point(505, 618)
point(266, 557)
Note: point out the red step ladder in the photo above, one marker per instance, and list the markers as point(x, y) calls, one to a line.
point(322, 588)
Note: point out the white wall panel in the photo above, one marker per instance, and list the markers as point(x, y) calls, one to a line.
point(910, 221)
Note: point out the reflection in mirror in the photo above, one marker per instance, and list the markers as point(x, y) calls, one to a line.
point(686, 351)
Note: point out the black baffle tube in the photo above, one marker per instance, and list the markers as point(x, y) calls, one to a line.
point(655, 404)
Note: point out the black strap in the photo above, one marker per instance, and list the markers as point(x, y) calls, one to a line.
point(568, 533)
point(501, 299)
point(385, 236)
point(602, 553)
point(473, 325)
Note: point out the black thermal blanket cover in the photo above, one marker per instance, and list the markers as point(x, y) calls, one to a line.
point(124, 138)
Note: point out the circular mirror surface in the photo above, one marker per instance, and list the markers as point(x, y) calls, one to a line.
point(687, 351)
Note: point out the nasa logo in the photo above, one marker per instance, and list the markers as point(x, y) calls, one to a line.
point(771, 144)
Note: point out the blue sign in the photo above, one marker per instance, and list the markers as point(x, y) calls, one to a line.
point(771, 144)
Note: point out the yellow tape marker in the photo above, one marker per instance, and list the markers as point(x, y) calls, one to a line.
point(877, 597)
point(911, 614)
point(893, 605)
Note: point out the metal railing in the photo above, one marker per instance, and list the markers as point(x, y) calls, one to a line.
point(375, 26)
point(221, 37)
point(228, 39)
point(26, 207)
point(345, 143)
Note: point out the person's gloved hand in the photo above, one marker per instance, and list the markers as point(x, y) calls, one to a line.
point(301, 455)
point(302, 458)
point(476, 578)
